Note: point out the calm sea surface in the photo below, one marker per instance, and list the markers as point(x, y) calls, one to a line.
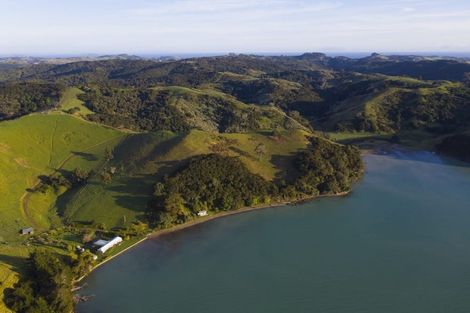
point(399, 243)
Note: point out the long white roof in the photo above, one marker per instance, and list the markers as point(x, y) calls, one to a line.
point(110, 244)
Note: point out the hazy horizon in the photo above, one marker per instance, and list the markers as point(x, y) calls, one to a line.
point(350, 54)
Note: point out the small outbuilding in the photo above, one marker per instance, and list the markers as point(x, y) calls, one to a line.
point(110, 244)
point(27, 231)
point(202, 213)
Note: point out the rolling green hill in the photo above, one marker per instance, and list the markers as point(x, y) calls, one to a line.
point(40, 144)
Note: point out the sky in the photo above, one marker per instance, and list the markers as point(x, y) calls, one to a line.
point(39, 27)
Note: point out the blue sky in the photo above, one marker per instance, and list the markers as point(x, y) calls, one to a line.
point(201, 26)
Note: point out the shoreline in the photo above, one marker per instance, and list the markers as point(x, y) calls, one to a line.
point(202, 220)
point(155, 234)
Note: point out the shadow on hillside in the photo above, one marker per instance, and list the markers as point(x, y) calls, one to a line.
point(7, 292)
point(136, 151)
point(286, 168)
point(169, 168)
point(86, 156)
point(63, 199)
point(134, 192)
point(65, 173)
point(130, 191)
point(162, 148)
point(242, 153)
point(17, 263)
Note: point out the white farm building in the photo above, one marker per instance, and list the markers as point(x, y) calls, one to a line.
point(106, 245)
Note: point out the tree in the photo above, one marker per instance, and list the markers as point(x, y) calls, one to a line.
point(159, 189)
point(260, 150)
point(108, 154)
point(80, 176)
point(106, 178)
point(174, 203)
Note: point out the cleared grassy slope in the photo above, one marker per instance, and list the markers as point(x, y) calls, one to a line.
point(38, 145)
point(69, 101)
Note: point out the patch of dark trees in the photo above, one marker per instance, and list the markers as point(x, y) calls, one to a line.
point(17, 99)
point(46, 286)
point(217, 183)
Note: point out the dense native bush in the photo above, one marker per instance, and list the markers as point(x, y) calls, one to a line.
point(327, 168)
point(211, 182)
point(138, 109)
point(24, 98)
point(46, 288)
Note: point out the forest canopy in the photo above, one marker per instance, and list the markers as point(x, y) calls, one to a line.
point(17, 99)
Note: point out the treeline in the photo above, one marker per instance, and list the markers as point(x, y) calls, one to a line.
point(215, 183)
point(17, 99)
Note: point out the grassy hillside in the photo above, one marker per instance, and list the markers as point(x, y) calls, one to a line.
point(69, 102)
point(38, 145)
point(142, 159)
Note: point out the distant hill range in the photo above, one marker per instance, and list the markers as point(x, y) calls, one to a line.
point(392, 94)
point(30, 60)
